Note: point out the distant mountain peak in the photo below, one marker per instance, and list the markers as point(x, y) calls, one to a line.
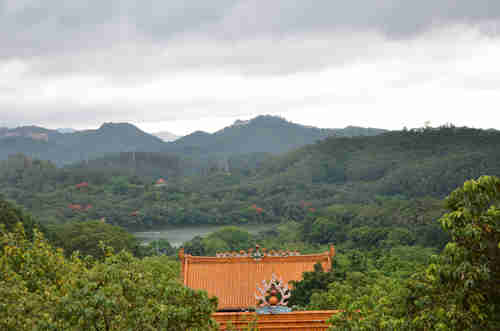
point(261, 120)
point(269, 119)
point(124, 128)
point(120, 125)
point(241, 122)
point(199, 133)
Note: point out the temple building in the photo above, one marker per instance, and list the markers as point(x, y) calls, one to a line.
point(255, 279)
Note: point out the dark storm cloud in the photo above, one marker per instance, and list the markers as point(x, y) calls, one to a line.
point(32, 28)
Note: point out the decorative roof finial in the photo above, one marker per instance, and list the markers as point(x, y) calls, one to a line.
point(273, 293)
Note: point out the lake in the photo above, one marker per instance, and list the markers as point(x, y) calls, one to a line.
point(178, 235)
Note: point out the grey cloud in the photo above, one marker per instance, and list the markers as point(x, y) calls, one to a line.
point(32, 28)
point(78, 115)
point(132, 42)
point(137, 61)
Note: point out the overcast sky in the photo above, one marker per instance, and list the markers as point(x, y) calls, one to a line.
point(188, 65)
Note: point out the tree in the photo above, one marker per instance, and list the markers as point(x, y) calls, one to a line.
point(233, 237)
point(85, 237)
point(41, 289)
point(461, 290)
point(326, 231)
point(10, 215)
point(230, 238)
point(160, 247)
point(195, 246)
point(312, 282)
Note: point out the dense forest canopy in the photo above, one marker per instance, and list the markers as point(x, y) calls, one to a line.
point(377, 198)
point(41, 289)
point(396, 285)
point(396, 178)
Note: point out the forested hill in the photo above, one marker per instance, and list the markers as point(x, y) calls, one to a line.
point(269, 134)
point(418, 162)
point(402, 165)
point(64, 148)
point(396, 177)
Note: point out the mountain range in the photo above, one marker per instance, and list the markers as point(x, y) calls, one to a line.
point(65, 148)
point(268, 134)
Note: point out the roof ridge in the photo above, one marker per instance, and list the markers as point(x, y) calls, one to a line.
point(259, 252)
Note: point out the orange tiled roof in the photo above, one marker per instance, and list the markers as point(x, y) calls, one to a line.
point(233, 280)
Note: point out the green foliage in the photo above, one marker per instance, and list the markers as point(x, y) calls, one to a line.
point(312, 282)
point(384, 224)
point(366, 236)
point(460, 289)
point(324, 231)
point(85, 237)
point(160, 247)
point(376, 198)
point(11, 215)
point(392, 180)
point(229, 238)
point(367, 303)
point(457, 290)
point(233, 237)
point(145, 166)
point(41, 289)
point(195, 246)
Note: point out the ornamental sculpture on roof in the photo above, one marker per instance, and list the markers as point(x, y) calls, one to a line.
point(258, 253)
point(272, 297)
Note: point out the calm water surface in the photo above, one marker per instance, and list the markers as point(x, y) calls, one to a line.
point(178, 235)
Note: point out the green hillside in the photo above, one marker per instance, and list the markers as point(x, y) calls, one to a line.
point(397, 170)
point(267, 134)
point(411, 163)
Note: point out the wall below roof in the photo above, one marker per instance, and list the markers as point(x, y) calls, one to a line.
point(294, 321)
